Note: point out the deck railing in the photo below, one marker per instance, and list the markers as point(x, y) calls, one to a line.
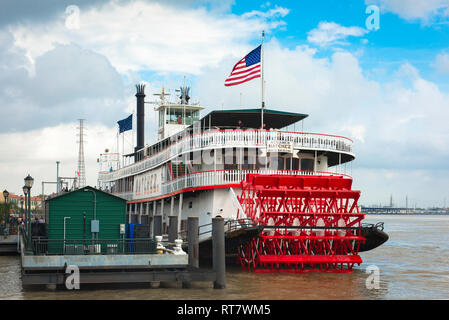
point(217, 178)
point(231, 177)
point(234, 138)
point(89, 246)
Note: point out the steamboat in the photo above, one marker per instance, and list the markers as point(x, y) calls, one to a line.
point(286, 195)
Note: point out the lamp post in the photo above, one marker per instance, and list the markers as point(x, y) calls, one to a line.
point(21, 205)
point(6, 214)
point(6, 196)
point(25, 192)
point(28, 185)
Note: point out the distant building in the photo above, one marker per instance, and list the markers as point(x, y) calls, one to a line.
point(36, 202)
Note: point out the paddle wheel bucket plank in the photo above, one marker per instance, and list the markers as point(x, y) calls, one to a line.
point(311, 223)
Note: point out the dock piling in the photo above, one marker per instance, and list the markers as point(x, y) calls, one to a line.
point(218, 252)
point(172, 228)
point(157, 225)
point(193, 241)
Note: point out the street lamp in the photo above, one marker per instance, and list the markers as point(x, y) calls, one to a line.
point(29, 181)
point(28, 185)
point(25, 192)
point(6, 195)
point(21, 205)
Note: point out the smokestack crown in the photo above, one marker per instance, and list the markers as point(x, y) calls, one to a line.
point(140, 89)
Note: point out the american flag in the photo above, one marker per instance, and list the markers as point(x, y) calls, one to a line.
point(246, 69)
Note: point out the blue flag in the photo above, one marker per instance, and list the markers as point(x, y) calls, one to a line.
point(125, 124)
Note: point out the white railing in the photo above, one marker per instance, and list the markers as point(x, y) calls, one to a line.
point(223, 178)
point(234, 138)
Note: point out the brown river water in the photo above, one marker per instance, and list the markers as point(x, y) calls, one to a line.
point(412, 264)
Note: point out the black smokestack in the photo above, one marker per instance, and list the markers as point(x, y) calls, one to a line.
point(140, 95)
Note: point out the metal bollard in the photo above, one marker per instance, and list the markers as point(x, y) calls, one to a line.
point(218, 252)
point(159, 246)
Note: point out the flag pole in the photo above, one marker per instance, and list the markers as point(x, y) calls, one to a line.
point(123, 149)
point(117, 147)
point(263, 82)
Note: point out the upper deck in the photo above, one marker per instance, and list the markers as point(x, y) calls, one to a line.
point(337, 148)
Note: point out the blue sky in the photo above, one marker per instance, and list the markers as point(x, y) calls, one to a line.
point(386, 89)
point(396, 41)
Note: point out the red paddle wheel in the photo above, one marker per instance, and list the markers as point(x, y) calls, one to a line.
point(311, 223)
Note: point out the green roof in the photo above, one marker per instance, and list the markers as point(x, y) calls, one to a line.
point(251, 118)
point(63, 194)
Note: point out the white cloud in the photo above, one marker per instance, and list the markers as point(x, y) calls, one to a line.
point(149, 36)
point(425, 11)
point(35, 152)
point(406, 70)
point(69, 82)
point(411, 117)
point(441, 63)
point(328, 33)
point(275, 12)
point(356, 131)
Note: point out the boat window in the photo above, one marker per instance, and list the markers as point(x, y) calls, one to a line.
point(275, 162)
point(188, 119)
point(307, 164)
point(292, 164)
point(195, 115)
point(249, 159)
point(161, 118)
point(174, 116)
point(280, 163)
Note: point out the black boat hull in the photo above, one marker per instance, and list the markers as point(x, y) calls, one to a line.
point(374, 235)
point(233, 240)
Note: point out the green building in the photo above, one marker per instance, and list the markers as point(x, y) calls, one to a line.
point(85, 213)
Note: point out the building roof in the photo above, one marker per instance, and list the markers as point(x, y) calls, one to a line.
point(63, 194)
point(15, 196)
point(251, 118)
